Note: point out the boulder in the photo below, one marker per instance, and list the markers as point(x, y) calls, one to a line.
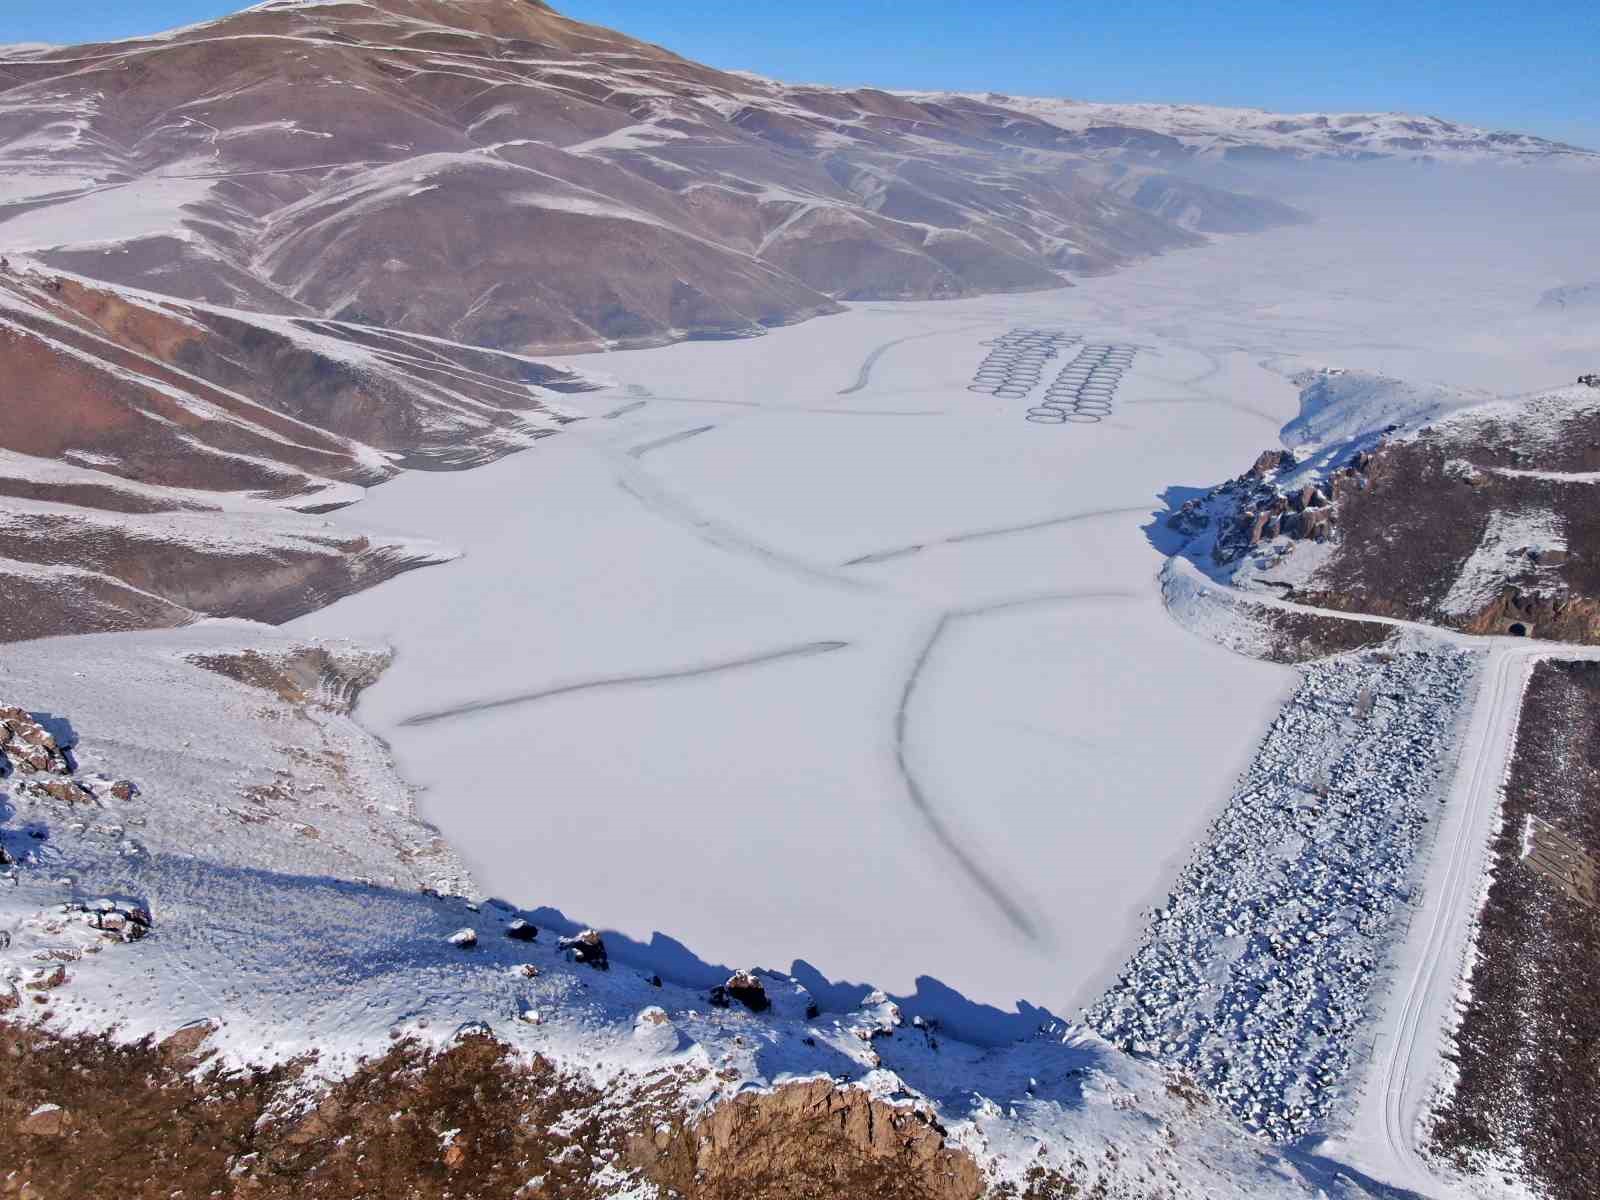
point(124, 790)
point(48, 1120)
point(587, 947)
point(465, 938)
point(522, 931)
point(747, 989)
point(183, 1047)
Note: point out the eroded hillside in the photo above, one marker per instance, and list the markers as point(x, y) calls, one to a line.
point(495, 173)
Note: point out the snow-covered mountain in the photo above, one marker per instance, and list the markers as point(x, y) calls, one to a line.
point(1210, 133)
point(497, 173)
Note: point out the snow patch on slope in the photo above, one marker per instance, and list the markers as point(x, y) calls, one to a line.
point(1356, 407)
point(1502, 551)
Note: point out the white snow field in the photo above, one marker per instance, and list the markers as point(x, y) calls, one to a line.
point(802, 653)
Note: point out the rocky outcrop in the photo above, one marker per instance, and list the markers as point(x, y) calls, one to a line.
point(1252, 509)
point(183, 1047)
point(45, 770)
point(746, 988)
point(1481, 521)
point(329, 678)
point(1555, 616)
point(26, 745)
point(811, 1139)
point(48, 1120)
point(62, 791)
point(588, 948)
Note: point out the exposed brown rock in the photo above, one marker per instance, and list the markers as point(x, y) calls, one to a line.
point(1269, 461)
point(62, 791)
point(184, 1046)
point(48, 1120)
point(811, 1139)
point(1407, 526)
point(48, 980)
point(27, 746)
point(307, 675)
point(1535, 614)
point(144, 1128)
point(1520, 1105)
point(746, 988)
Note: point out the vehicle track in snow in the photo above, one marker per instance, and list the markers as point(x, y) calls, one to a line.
point(805, 650)
point(978, 535)
point(672, 438)
point(1452, 900)
point(1006, 901)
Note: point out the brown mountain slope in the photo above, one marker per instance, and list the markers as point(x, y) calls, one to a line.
point(161, 461)
point(261, 263)
point(492, 172)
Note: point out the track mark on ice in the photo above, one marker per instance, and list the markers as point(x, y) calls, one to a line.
point(805, 650)
point(1011, 908)
point(978, 535)
point(661, 502)
point(865, 374)
point(670, 439)
point(625, 409)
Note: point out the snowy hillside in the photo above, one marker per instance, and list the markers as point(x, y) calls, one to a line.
point(1421, 502)
point(239, 875)
point(866, 756)
point(634, 197)
point(1212, 133)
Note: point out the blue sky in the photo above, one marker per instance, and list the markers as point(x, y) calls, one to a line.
point(1532, 65)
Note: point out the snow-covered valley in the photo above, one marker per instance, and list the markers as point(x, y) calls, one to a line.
point(814, 653)
point(800, 652)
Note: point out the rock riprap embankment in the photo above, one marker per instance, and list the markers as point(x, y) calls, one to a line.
point(1256, 975)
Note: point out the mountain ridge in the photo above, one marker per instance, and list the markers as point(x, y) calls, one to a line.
point(276, 158)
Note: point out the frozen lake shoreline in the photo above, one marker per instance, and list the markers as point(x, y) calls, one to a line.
point(806, 655)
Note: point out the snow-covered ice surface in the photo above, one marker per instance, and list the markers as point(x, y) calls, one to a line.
point(893, 654)
point(905, 705)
